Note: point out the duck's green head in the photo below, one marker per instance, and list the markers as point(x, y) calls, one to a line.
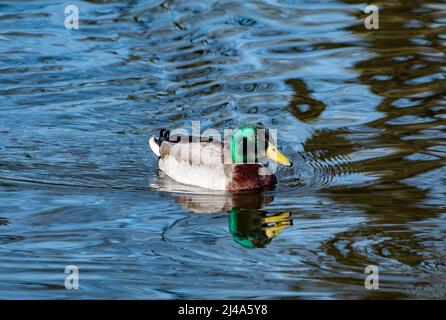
point(252, 143)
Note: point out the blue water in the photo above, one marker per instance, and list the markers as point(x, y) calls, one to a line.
point(360, 112)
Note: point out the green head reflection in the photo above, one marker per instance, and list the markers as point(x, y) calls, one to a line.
point(256, 228)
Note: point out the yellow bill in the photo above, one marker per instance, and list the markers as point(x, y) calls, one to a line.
point(274, 154)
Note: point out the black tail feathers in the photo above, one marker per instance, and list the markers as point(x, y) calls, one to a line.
point(164, 135)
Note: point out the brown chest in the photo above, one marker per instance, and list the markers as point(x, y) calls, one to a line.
point(246, 177)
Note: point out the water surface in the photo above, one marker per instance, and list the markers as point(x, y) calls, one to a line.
point(361, 113)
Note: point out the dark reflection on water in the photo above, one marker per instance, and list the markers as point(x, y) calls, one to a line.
point(362, 112)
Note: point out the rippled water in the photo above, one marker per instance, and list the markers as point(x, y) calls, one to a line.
point(361, 113)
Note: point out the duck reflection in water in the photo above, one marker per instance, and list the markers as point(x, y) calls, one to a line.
point(248, 224)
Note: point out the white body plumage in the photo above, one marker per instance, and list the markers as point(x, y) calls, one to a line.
point(198, 164)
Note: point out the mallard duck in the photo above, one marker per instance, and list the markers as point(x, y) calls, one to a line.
point(233, 165)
